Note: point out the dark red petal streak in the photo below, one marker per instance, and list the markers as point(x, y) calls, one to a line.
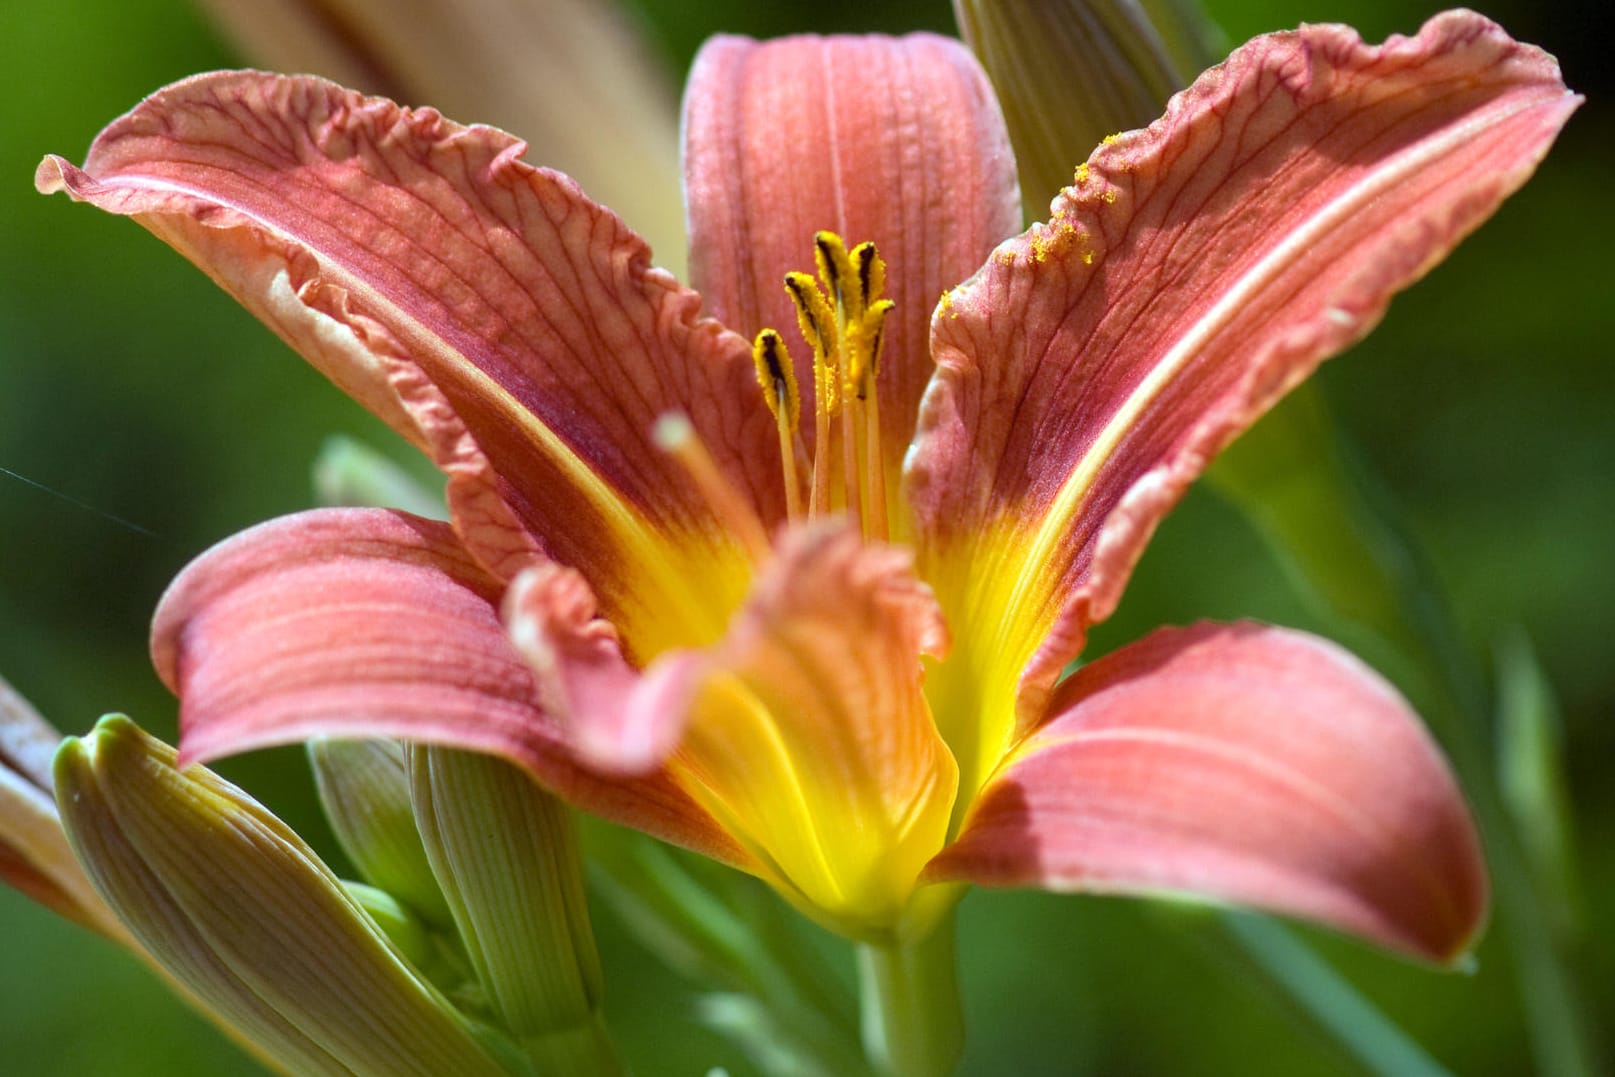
point(357, 623)
point(895, 140)
point(1240, 763)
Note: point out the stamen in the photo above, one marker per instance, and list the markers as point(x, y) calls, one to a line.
point(842, 317)
point(831, 256)
point(675, 435)
point(871, 272)
point(814, 318)
point(818, 327)
point(851, 411)
point(777, 377)
point(875, 524)
point(862, 347)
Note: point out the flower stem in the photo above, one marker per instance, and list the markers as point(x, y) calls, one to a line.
point(912, 1022)
point(584, 1050)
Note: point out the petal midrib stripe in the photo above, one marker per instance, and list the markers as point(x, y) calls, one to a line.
point(633, 531)
point(1074, 492)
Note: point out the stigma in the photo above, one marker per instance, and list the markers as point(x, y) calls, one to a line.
point(841, 313)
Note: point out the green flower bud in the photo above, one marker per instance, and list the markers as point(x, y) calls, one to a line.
point(237, 908)
point(349, 472)
point(365, 792)
point(506, 854)
point(1070, 72)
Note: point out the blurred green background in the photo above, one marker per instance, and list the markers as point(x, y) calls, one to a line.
point(128, 383)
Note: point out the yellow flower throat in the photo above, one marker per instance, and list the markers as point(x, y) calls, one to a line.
point(808, 737)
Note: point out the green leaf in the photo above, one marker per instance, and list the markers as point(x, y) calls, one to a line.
point(1531, 777)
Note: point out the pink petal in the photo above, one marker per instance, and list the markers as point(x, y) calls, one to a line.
point(511, 327)
point(1241, 763)
point(895, 140)
point(612, 715)
point(807, 731)
point(556, 73)
point(359, 622)
point(1194, 273)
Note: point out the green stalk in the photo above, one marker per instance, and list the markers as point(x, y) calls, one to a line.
point(1377, 1042)
point(912, 1020)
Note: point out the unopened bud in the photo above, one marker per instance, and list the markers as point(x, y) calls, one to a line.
point(365, 792)
point(237, 908)
point(1069, 72)
point(506, 854)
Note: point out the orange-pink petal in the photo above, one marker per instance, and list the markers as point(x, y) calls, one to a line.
point(511, 327)
point(555, 72)
point(614, 718)
point(1239, 763)
point(807, 733)
point(1193, 273)
point(894, 140)
point(360, 622)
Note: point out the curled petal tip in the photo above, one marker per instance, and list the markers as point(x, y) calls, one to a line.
point(615, 721)
point(49, 177)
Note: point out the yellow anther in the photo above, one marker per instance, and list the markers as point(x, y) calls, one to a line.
point(863, 348)
point(776, 376)
point(835, 268)
point(1082, 174)
point(871, 273)
point(843, 319)
point(813, 315)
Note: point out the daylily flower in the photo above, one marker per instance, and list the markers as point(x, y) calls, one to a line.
point(794, 585)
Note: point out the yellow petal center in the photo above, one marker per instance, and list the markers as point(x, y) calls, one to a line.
point(809, 737)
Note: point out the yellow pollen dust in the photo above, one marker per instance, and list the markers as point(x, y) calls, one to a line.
point(841, 312)
point(1054, 238)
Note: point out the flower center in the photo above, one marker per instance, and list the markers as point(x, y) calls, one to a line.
point(842, 316)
